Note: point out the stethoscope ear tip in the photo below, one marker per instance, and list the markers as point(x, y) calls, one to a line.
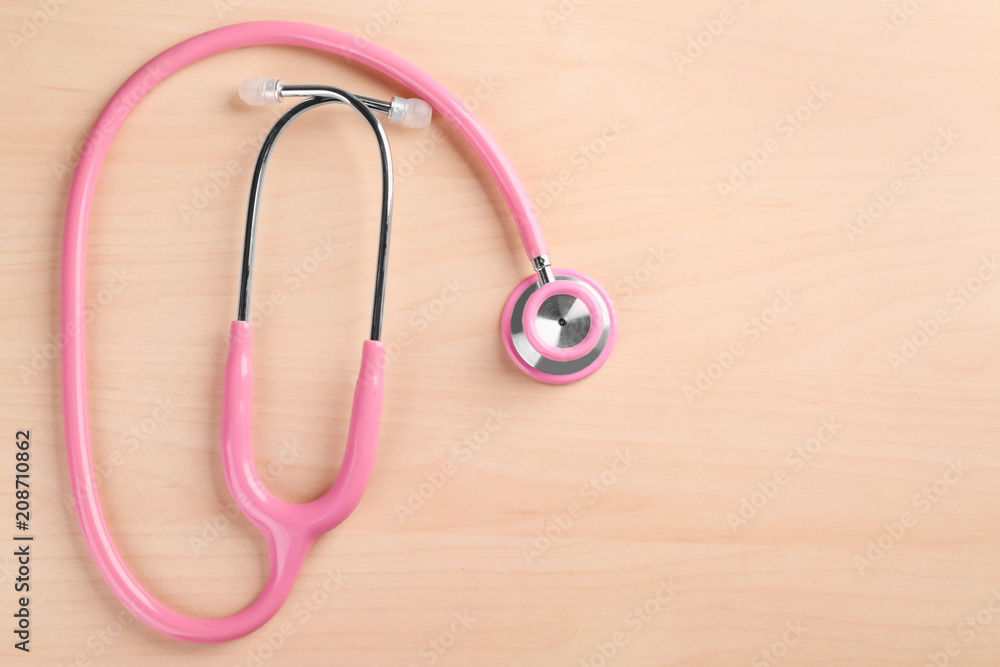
point(411, 112)
point(257, 91)
point(559, 332)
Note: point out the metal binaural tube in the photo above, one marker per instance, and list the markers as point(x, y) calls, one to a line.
point(298, 90)
point(318, 96)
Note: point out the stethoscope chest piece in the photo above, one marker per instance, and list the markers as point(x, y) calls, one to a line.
point(560, 331)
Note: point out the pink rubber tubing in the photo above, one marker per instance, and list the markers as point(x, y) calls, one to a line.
point(289, 529)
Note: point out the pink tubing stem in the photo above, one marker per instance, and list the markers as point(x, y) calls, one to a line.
point(289, 529)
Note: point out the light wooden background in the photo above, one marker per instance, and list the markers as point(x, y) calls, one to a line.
point(693, 273)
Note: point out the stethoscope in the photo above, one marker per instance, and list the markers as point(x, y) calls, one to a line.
point(558, 326)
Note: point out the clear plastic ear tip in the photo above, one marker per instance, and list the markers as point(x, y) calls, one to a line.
point(256, 90)
point(411, 112)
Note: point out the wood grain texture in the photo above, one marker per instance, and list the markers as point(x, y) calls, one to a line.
point(790, 458)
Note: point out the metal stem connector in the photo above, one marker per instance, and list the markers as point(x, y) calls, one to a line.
point(543, 267)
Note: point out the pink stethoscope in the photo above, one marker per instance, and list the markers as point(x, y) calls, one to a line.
point(558, 326)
